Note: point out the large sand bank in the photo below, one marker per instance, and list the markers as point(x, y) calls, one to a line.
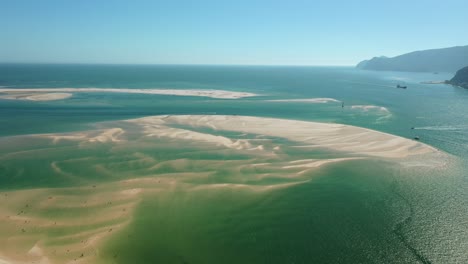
point(336, 137)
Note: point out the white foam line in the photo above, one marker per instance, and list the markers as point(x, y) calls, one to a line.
point(442, 128)
point(370, 107)
point(307, 100)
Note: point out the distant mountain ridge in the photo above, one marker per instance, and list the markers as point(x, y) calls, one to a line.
point(433, 60)
point(460, 78)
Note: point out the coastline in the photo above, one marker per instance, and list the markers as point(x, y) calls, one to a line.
point(448, 82)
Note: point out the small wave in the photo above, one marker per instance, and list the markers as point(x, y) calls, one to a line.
point(308, 100)
point(442, 128)
point(370, 108)
point(380, 111)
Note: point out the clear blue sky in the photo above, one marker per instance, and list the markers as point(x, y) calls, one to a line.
point(265, 32)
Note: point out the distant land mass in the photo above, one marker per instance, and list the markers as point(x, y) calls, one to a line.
point(460, 78)
point(433, 60)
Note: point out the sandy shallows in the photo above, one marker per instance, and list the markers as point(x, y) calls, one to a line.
point(79, 189)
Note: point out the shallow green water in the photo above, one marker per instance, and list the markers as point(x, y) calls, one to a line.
point(341, 216)
point(352, 212)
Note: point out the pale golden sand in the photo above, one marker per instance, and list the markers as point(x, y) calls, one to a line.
point(335, 137)
point(45, 93)
point(31, 96)
point(63, 225)
point(71, 225)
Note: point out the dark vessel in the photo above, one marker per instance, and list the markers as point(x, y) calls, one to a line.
point(401, 86)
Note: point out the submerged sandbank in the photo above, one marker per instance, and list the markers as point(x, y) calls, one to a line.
point(219, 94)
point(64, 225)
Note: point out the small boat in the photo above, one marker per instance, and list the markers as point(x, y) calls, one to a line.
point(416, 138)
point(401, 86)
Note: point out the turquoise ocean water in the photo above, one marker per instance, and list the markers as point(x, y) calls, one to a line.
point(354, 212)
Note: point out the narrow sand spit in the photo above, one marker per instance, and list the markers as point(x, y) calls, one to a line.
point(32, 96)
point(51, 93)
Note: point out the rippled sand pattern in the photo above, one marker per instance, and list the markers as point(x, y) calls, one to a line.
point(66, 195)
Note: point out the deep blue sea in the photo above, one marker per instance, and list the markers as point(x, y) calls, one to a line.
point(437, 111)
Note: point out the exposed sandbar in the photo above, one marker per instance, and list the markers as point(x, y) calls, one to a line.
point(30, 96)
point(336, 137)
point(219, 94)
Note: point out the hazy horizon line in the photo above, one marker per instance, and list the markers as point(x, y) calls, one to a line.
point(177, 64)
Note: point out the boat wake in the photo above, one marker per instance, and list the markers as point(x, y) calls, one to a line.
point(308, 100)
point(380, 111)
point(371, 108)
point(442, 128)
